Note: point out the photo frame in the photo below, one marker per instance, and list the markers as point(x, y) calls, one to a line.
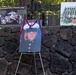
point(12, 16)
point(68, 14)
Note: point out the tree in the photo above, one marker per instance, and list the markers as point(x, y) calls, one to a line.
point(12, 3)
point(8, 3)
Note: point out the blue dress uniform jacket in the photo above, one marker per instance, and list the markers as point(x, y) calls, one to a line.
point(30, 46)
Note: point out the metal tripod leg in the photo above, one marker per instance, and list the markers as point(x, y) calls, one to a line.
point(42, 64)
point(18, 64)
point(35, 64)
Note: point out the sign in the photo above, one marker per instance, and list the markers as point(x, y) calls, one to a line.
point(12, 15)
point(68, 14)
point(30, 39)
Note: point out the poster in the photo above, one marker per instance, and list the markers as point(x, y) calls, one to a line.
point(30, 39)
point(68, 14)
point(12, 15)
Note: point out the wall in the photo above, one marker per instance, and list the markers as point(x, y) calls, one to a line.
point(58, 50)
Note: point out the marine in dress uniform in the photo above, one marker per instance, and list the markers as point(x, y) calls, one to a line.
point(29, 41)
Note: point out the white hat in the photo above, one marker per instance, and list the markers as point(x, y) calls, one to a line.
point(26, 26)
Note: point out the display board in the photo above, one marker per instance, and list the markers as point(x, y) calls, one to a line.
point(30, 39)
point(12, 15)
point(68, 14)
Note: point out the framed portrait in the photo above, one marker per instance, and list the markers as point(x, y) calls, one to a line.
point(68, 14)
point(30, 39)
point(12, 15)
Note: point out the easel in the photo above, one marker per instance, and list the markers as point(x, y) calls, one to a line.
point(34, 63)
point(33, 53)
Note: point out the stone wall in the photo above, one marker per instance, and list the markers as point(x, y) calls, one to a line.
point(58, 50)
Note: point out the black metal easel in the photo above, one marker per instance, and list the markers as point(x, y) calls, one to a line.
point(29, 52)
point(34, 63)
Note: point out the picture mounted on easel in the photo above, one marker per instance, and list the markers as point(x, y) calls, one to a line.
point(12, 15)
point(30, 38)
point(68, 14)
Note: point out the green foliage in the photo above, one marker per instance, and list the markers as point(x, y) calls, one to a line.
point(50, 12)
point(12, 3)
point(53, 2)
point(8, 3)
